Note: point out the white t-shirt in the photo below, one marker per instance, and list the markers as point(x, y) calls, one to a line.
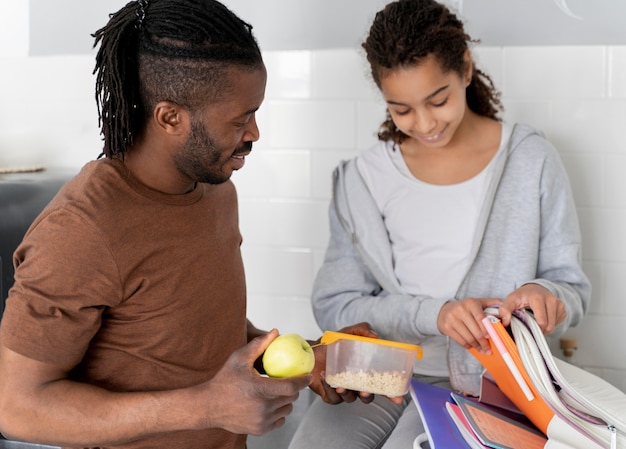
point(431, 229)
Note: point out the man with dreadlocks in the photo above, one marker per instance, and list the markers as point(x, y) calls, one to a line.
point(126, 325)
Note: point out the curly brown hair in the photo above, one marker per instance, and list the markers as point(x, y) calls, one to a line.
point(405, 32)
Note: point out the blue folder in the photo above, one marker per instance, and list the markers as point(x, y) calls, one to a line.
point(430, 401)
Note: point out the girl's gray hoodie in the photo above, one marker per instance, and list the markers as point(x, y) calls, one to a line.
point(527, 232)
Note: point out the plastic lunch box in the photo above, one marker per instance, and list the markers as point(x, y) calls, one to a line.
point(369, 364)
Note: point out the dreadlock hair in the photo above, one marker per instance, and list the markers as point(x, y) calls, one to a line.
point(156, 50)
point(405, 32)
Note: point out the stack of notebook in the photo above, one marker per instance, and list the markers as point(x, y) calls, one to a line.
point(453, 421)
point(513, 413)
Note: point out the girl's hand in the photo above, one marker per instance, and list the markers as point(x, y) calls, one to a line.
point(549, 310)
point(461, 321)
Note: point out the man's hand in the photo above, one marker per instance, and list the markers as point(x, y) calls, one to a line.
point(329, 394)
point(249, 403)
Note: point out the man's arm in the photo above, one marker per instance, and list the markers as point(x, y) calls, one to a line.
point(39, 403)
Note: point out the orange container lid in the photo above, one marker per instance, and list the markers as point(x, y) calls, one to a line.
point(330, 337)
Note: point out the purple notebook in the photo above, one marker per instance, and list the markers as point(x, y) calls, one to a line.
point(431, 404)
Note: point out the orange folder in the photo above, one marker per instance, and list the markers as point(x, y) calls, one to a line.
point(521, 390)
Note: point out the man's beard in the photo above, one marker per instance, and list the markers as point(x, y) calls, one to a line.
point(201, 158)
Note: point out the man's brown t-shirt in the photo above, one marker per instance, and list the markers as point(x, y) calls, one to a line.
point(138, 290)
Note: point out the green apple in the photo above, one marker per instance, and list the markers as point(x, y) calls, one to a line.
point(287, 356)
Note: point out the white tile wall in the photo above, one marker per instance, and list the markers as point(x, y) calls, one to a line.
point(320, 108)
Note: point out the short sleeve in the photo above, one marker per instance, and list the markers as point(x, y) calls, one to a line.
point(65, 278)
